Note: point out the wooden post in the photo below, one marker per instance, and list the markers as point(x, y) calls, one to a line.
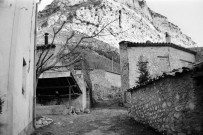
point(69, 100)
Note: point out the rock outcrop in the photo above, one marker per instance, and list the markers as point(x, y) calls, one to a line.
point(132, 20)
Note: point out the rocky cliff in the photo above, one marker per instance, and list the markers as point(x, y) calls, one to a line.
point(132, 20)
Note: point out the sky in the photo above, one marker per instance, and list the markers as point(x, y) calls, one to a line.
point(187, 14)
point(43, 3)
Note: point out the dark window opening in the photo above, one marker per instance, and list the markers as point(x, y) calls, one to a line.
point(24, 76)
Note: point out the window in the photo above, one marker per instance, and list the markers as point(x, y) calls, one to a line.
point(24, 76)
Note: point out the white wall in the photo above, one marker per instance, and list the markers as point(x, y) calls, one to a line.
point(5, 43)
point(179, 58)
point(161, 59)
point(17, 27)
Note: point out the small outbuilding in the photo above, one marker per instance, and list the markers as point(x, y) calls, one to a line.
point(61, 88)
point(158, 57)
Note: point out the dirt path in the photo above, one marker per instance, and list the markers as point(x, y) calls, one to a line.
point(98, 122)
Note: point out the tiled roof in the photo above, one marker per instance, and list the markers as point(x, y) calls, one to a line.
point(151, 44)
point(174, 72)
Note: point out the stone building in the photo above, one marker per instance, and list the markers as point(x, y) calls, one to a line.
point(17, 30)
point(171, 103)
point(161, 57)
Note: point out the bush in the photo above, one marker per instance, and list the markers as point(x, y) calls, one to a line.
point(143, 70)
point(1, 104)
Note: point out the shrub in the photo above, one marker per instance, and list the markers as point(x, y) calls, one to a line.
point(1, 104)
point(143, 70)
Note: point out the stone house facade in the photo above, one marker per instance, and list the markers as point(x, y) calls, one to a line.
point(17, 66)
point(161, 57)
point(171, 103)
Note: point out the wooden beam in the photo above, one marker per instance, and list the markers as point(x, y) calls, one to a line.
point(64, 95)
point(69, 98)
point(54, 87)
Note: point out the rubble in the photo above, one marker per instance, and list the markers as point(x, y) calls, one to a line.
point(43, 121)
point(87, 111)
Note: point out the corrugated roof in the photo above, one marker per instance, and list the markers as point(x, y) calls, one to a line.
point(152, 44)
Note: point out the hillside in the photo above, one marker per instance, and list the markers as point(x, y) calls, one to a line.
point(98, 61)
point(129, 20)
point(135, 21)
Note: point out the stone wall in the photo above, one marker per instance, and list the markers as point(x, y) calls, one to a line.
point(171, 105)
point(75, 102)
point(79, 78)
point(124, 67)
point(50, 110)
point(106, 85)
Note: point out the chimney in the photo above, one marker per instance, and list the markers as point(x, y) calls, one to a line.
point(46, 38)
point(168, 38)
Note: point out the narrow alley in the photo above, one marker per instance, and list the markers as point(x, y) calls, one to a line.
point(100, 121)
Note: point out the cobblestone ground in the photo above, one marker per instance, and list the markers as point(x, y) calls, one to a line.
point(101, 121)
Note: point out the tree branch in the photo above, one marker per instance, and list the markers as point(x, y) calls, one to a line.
point(49, 48)
point(44, 58)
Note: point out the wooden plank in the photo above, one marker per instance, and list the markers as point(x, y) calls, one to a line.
point(69, 98)
point(64, 95)
point(54, 87)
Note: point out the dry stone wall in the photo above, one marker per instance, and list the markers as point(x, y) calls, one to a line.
point(169, 105)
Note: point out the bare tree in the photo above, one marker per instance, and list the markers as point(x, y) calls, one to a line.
point(66, 54)
point(49, 59)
